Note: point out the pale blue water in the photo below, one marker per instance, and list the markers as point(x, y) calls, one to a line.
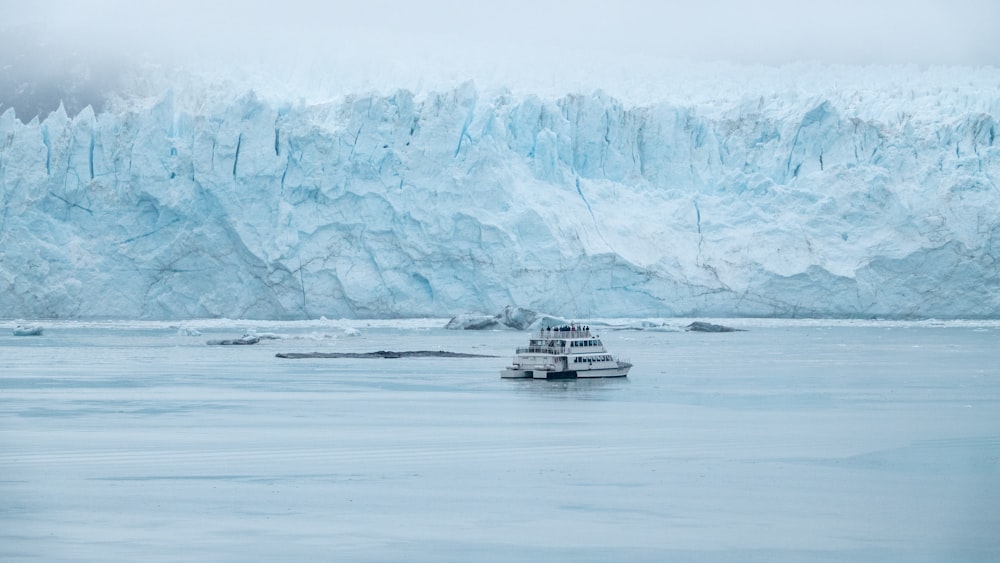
point(791, 441)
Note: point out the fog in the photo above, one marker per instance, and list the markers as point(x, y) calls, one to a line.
point(75, 49)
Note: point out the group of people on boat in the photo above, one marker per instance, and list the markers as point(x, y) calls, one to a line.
point(566, 328)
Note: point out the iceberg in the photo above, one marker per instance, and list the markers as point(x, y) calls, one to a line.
point(28, 330)
point(207, 203)
point(245, 340)
point(701, 326)
point(516, 318)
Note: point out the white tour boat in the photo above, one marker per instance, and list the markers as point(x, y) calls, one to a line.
point(566, 352)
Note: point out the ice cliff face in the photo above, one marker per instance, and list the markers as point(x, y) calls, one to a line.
point(580, 206)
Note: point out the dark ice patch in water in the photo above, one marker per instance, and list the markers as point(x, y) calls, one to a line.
point(381, 354)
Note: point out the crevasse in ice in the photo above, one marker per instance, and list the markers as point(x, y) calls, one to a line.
point(822, 203)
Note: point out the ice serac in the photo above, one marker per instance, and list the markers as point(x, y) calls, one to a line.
point(383, 205)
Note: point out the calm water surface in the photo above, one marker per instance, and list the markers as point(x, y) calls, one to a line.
point(792, 440)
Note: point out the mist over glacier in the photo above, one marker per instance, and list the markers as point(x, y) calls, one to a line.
point(838, 192)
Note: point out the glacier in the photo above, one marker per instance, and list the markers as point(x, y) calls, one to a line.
point(816, 200)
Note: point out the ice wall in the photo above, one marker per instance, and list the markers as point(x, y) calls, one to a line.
point(383, 205)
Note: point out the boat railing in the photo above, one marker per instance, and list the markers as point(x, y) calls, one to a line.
point(541, 350)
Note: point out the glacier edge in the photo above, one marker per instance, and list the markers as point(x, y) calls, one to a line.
point(402, 205)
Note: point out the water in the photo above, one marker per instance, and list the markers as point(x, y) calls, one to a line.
point(792, 440)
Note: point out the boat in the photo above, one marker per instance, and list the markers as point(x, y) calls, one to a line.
point(28, 330)
point(564, 352)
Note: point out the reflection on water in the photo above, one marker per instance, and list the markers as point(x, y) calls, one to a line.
point(600, 389)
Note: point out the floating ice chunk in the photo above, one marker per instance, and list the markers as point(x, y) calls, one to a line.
point(517, 318)
point(28, 330)
point(699, 326)
point(244, 340)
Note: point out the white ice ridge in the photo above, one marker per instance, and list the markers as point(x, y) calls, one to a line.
point(203, 203)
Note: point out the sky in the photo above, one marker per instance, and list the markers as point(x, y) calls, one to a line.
point(442, 32)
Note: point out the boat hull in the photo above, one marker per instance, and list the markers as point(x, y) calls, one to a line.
point(620, 371)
